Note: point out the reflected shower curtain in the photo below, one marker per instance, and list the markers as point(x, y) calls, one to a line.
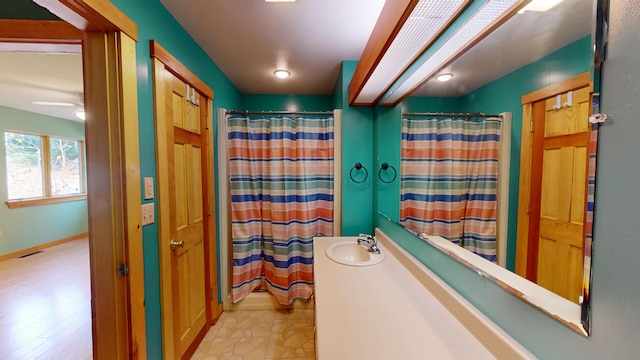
point(449, 180)
point(281, 180)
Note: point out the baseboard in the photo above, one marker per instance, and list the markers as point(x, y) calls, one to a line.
point(42, 246)
point(263, 300)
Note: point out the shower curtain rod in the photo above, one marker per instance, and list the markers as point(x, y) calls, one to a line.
point(237, 112)
point(466, 115)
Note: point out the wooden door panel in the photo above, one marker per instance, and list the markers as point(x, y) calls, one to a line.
point(194, 168)
point(192, 116)
point(569, 120)
point(177, 106)
point(180, 167)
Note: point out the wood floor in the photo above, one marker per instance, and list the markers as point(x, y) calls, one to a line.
point(45, 304)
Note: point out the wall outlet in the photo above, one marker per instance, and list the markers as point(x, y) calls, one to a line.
point(148, 216)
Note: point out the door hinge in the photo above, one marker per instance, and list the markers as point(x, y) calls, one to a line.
point(212, 295)
point(123, 270)
point(531, 126)
point(528, 208)
point(209, 209)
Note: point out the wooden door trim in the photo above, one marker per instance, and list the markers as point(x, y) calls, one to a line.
point(39, 32)
point(92, 16)
point(178, 69)
point(576, 82)
point(163, 134)
point(525, 251)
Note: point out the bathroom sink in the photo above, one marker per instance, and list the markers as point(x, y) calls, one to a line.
point(353, 254)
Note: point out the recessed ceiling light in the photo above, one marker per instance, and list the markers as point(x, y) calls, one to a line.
point(444, 77)
point(282, 74)
point(53, 103)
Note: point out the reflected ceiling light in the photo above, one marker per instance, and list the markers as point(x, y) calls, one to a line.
point(474, 29)
point(539, 5)
point(80, 114)
point(282, 74)
point(53, 103)
point(427, 20)
point(444, 77)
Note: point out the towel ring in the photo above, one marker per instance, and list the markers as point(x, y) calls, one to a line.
point(359, 166)
point(385, 166)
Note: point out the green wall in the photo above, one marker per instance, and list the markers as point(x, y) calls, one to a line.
point(36, 225)
point(357, 146)
point(266, 102)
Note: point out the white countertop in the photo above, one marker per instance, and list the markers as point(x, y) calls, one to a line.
point(384, 312)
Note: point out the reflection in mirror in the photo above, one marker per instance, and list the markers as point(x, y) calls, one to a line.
point(519, 69)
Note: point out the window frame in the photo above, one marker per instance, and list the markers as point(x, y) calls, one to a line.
point(48, 198)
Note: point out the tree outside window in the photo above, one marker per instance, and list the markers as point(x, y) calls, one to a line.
point(30, 176)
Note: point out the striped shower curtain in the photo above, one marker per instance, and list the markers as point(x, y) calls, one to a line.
point(449, 180)
point(281, 180)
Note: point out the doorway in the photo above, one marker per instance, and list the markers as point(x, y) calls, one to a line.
point(43, 181)
point(115, 238)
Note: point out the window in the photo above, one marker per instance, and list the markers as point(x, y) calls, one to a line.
point(43, 169)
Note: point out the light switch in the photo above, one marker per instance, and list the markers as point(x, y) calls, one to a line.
point(1, 234)
point(148, 217)
point(148, 188)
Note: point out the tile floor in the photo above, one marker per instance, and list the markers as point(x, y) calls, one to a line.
point(263, 334)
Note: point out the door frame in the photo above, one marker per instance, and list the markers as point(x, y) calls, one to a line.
point(526, 250)
point(108, 39)
point(162, 60)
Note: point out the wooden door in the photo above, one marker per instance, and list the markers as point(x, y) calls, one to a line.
point(187, 221)
point(558, 190)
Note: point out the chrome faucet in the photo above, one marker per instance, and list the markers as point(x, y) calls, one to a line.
point(370, 242)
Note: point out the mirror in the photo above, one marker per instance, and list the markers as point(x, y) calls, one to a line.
point(529, 52)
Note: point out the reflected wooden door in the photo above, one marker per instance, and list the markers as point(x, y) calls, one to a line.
point(186, 214)
point(558, 190)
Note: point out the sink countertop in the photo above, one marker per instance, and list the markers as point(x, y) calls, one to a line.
point(385, 312)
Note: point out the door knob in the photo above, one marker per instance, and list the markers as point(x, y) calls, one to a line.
point(176, 244)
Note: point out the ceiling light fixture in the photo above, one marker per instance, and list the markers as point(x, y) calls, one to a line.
point(282, 74)
point(80, 114)
point(474, 29)
point(444, 77)
point(427, 20)
point(53, 103)
point(539, 5)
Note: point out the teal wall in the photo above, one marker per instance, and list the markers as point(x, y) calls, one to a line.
point(265, 102)
point(357, 146)
point(36, 225)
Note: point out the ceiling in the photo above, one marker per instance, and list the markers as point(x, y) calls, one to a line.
point(249, 39)
point(27, 77)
